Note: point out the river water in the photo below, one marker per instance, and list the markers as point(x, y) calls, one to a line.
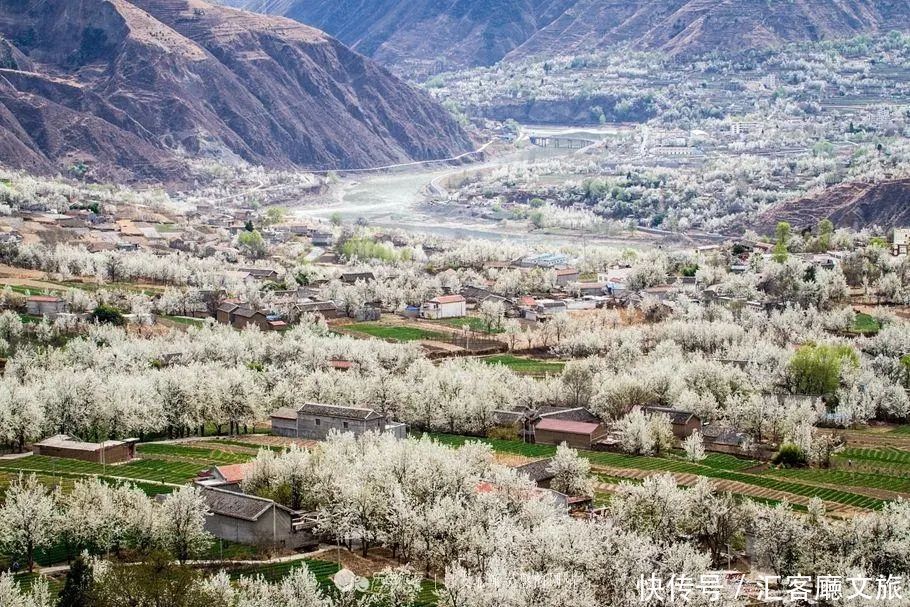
point(395, 199)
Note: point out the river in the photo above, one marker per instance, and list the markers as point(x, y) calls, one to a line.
point(394, 199)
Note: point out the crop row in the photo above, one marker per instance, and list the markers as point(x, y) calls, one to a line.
point(213, 456)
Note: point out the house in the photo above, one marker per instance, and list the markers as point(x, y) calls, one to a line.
point(260, 273)
point(579, 435)
point(45, 305)
point(684, 422)
point(242, 316)
point(565, 276)
point(900, 243)
point(444, 306)
point(108, 452)
point(326, 309)
point(322, 239)
point(588, 288)
point(351, 278)
point(723, 439)
point(551, 306)
point(538, 471)
point(227, 477)
point(316, 421)
point(248, 519)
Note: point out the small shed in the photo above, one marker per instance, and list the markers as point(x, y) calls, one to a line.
point(579, 435)
point(108, 452)
point(684, 422)
point(45, 305)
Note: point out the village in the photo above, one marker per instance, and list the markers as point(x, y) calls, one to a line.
point(285, 400)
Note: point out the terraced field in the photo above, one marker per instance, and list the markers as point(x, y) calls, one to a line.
point(730, 472)
point(193, 454)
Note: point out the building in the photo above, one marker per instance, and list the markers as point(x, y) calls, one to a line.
point(322, 239)
point(108, 452)
point(565, 276)
point(444, 306)
point(260, 273)
point(579, 435)
point(45, 305)
point(227, 477)
point(247, 519)
point(242, 316)
point(351, 278)
point(538, 471)
point(316, 421)
point(684, 422)
point(900, 244)
point(325, 309)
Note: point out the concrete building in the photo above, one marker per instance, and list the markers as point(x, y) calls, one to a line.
point(251, 520)
point(241, 316)
point(315, 421)
point(45, 305)
point(108, 452)
point(565, 276)
point(444, 306)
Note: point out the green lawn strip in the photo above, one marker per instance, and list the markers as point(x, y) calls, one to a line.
point(885, 456)
point(240, 443)
point(323, 570)
point(148, 470)
point(397, 333)
point(660, 464)
point(65, 481)
point(904, 429)
point(204, 456)
point(847, 479)
point(473, 322)
point(524, 365)
point(184, 320)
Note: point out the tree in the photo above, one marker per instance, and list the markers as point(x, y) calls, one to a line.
point(492, 313)
point(694, 446)
point(181, 525)
point(781, 238)
point(108, 315)
point(571, 473)
point(156, 581)
point(816, 370)
point(779, 538)
point(28, 518)
point(78, 587)
point(252, 244)
point(714, 517)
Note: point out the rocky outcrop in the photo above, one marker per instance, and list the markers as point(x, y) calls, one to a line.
point(132, 88)
point(420, 36)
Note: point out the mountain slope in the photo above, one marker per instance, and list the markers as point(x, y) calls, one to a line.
point(856, 205)
point(423, 35)
point(130, 87)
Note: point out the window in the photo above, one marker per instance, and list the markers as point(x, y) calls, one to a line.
point(318, 421)
point(345, 424)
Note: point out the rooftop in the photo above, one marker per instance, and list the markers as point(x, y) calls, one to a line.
point(233, 473)
point(568, 427)
point(338, 411)
point(447, 299)
point(63, 441)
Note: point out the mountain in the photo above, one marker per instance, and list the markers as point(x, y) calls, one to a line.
point(130, 88)
point(427, 35)
point(855, 205)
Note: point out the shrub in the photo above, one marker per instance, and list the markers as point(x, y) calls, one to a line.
point(790, 456)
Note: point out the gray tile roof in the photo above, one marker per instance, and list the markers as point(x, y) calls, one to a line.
point(677, 416)
point(537, 470)
point(338, 411)
point(236, 505)
point(577, 414)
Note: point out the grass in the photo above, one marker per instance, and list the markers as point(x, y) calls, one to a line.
point(323, 570)
point(184, 320)
point(475, 323)
point(396, 333)
point(902, 430)
point(156, 471)
point(846, 479)
point(248, 445)
point(196, 454)
point(528, 366)
point(865, 325)
point(879, 456)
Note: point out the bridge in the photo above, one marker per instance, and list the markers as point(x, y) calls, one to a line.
point(567, 143)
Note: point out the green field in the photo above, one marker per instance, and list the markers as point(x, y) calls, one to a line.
point(529, 366)
point(716, 466)
point(473, 322)
point(396, 333)
point(194, 454)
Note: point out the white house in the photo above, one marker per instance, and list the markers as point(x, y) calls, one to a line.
point(444, 306)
